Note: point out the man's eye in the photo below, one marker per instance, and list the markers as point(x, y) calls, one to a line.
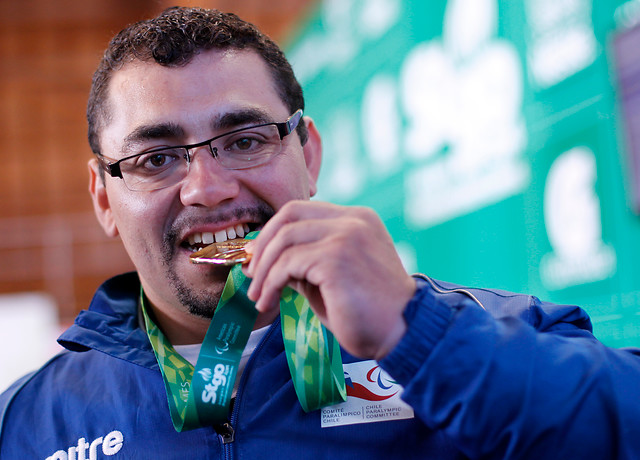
point(154, 162)
point(157, 160)
point(245, 143)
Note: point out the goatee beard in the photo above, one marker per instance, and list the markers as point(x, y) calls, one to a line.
point(198, 304)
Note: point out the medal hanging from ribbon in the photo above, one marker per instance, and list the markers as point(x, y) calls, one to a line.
point(201, 396)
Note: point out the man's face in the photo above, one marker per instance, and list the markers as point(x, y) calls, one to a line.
point(154, 106)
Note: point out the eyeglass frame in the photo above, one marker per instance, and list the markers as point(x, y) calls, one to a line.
point(284, 129)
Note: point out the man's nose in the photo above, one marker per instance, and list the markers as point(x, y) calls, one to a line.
point(207, 183)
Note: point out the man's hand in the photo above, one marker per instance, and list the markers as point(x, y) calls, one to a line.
point(343, 261)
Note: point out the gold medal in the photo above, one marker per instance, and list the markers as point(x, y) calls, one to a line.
point(227, 253)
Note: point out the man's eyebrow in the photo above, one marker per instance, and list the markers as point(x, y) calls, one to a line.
point(150, 132)
point(224, 122)
point(240, 118)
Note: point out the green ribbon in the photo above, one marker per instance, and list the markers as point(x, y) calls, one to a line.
point(313, 354)
point(201, 396)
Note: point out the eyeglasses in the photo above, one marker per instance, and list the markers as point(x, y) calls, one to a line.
point(166, 166)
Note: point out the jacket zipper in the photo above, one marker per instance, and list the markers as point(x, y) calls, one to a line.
point(227, 432)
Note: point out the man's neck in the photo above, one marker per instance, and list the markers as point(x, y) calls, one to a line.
point(182, 328)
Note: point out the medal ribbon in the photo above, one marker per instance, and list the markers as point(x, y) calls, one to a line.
point(201, 396)
point(313, 354)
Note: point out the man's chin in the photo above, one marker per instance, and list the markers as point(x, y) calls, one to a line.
point(199, 293)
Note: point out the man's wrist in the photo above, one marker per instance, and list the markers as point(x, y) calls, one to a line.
point(426, 321)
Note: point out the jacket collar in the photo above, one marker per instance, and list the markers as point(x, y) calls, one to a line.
point(111, 324)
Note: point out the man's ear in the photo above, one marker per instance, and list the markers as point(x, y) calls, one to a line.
point(312, 151)
point(100, 199)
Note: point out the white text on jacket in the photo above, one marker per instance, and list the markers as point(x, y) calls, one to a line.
point(110, 444)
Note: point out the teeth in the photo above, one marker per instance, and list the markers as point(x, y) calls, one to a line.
point(221, 236)
point(237, 231)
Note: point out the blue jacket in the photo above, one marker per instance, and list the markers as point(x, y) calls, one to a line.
point(521, 379)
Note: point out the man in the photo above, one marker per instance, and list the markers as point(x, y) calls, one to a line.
point(195, 121)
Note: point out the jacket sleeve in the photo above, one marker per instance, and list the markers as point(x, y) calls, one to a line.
point(6, 398)
point(519, 379)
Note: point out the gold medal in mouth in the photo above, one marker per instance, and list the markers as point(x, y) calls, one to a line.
point(227, 253)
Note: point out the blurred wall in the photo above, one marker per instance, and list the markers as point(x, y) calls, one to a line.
point(49, 239)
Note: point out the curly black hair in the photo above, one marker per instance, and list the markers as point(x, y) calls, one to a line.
point(172, 39)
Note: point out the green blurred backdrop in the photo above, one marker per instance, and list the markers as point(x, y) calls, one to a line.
point(494, 137)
